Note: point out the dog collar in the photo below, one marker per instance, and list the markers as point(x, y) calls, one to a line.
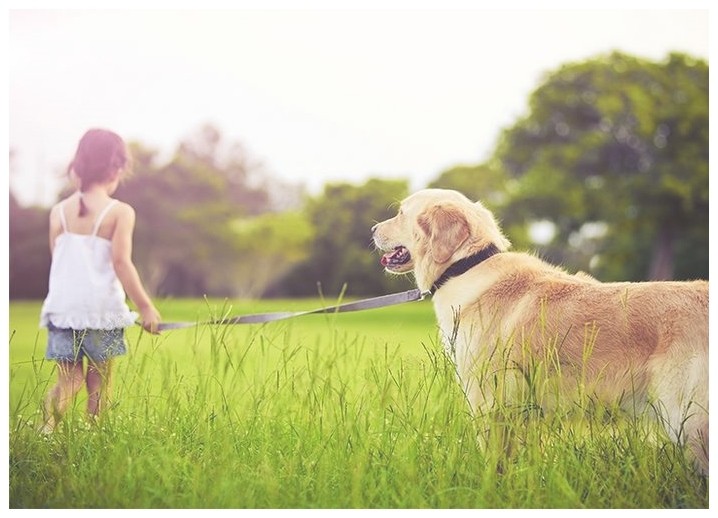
point(464, 265)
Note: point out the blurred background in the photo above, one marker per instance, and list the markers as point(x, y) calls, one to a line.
point(266, 143)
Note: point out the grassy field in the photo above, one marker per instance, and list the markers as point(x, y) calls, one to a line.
point(358, 410)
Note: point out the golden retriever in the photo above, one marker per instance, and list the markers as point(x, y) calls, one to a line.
point(640, 345)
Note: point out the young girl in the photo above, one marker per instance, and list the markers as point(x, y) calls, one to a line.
point(91, 274)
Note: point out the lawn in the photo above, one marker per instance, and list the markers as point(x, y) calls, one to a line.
point(358, 410)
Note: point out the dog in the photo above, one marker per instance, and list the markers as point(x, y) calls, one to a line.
point(642, 346)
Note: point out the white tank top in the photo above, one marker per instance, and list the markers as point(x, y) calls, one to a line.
point(84, 291)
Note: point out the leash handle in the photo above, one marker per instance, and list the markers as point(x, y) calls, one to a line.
point(261, 318)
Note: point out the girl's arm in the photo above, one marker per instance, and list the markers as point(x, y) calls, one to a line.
point(125, 268)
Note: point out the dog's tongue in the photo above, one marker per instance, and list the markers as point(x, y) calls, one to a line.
point(399, 255)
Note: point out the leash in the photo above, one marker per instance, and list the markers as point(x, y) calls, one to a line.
point(260, 318)
point(459, 267)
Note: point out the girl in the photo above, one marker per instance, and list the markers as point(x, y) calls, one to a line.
point(91, 274)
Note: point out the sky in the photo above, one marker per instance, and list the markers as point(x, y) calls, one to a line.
point(314, 94)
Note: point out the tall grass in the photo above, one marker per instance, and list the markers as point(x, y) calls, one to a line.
point(341, 411)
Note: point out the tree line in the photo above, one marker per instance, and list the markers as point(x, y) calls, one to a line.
point(607, 172)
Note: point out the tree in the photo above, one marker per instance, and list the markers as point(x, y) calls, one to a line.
point(342, 253)
point(206, 224)
point(242, 176)
point(194, 214)
point(484, 182)
point(270, 246)
point(621, 142)
point(29, 252)
point(184, 241)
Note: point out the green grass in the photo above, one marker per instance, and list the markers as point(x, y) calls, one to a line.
point(358, 410)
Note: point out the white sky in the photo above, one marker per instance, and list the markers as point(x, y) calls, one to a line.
point(314, 94)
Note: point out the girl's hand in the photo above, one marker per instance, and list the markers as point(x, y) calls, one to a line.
point(150, 319)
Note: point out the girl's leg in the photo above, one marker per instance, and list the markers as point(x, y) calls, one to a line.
point(98, 386)
point(69, 382)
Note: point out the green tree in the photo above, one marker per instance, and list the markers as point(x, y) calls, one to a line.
point(188, 241)
point(200, 219)
point(29, 252)
point(342, 252)
point(484, 182)
point(618, 144)
point(270, 246)
point(184, 240)
point(242, 176)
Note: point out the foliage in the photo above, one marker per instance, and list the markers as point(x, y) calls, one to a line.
point(341, 253)
point(187, 238)
point(483, 182)
point(270, 245)
point(28, 255)
point(244, 180)
point(623, 141)
point(611, 159)
point(184, 240)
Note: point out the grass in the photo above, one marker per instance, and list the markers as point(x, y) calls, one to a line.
point(357, 410)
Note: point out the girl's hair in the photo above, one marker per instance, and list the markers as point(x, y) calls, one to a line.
point(100, 154)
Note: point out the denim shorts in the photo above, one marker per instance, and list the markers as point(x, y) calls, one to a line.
point(73, 345)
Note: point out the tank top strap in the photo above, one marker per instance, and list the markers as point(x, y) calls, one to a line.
point(63, 221)
point(101, 216)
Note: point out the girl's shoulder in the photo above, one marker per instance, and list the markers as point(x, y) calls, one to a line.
point(55, 210)
point(60, 203)
point(121, 214)
point(119, 217)
point(120, 208)
point(63, 204)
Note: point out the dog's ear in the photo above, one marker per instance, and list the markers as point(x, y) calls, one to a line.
point(446, 228)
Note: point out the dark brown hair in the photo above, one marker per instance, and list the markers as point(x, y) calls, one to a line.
point(100, 154)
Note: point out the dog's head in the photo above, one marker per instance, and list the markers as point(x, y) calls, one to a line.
point(433, 229)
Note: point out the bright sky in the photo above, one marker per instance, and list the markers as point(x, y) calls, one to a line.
point(315, 94)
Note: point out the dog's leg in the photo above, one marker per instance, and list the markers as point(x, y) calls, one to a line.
point(698, 442)
point(680, 403)
point(490, 389)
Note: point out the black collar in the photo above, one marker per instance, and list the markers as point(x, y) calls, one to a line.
point(464, 265)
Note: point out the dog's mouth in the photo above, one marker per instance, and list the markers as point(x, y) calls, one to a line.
point(396, 259)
